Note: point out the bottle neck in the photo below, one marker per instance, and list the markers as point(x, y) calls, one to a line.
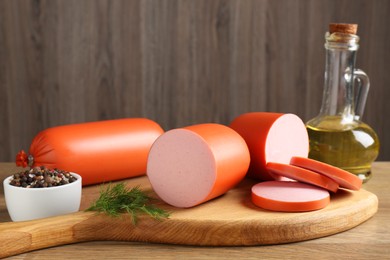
point(338, 96)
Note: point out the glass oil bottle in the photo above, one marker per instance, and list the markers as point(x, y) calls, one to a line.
point(337, 135)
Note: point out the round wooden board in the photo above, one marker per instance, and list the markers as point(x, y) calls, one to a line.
point(233, 219)
point(230, 220)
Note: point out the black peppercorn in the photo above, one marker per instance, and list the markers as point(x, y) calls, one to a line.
point(41, 177)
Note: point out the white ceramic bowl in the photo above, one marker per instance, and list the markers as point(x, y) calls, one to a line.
point(33, 203)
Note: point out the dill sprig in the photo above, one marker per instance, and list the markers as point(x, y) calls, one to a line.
point(118, 199)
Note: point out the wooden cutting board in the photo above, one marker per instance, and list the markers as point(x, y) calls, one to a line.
point(230, 220)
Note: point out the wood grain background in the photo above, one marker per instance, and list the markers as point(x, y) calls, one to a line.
point(178, 62)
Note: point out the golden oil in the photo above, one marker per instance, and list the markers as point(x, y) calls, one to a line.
point(352, 146)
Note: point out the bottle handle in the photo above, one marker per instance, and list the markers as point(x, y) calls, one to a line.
point(361, 91)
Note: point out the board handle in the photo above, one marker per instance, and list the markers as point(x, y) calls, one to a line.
point(25, 236)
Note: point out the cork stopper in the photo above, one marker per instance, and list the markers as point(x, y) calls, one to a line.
point(343, 28)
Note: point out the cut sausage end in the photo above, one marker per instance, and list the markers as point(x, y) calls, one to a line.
point(271, 137)
point(192, 165)
point(181, 168)
point(287, 137)
point(289, 196)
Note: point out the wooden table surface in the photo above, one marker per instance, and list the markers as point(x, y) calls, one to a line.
point(366, 241)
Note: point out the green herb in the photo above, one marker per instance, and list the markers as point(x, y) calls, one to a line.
point(119, 199)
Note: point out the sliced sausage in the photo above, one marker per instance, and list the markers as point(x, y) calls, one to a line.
point(343, 178)
point(289, 196)
point(303, 175)
point(191, 165)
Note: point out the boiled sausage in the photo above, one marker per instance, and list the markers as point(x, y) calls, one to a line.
point(98, 151)
point(191, 165)
point(271, 137)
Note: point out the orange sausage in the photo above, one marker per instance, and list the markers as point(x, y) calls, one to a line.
point(271, 137)
point(191, 165)
point(98, 151)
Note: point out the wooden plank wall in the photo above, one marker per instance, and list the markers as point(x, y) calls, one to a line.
point(178, 62)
